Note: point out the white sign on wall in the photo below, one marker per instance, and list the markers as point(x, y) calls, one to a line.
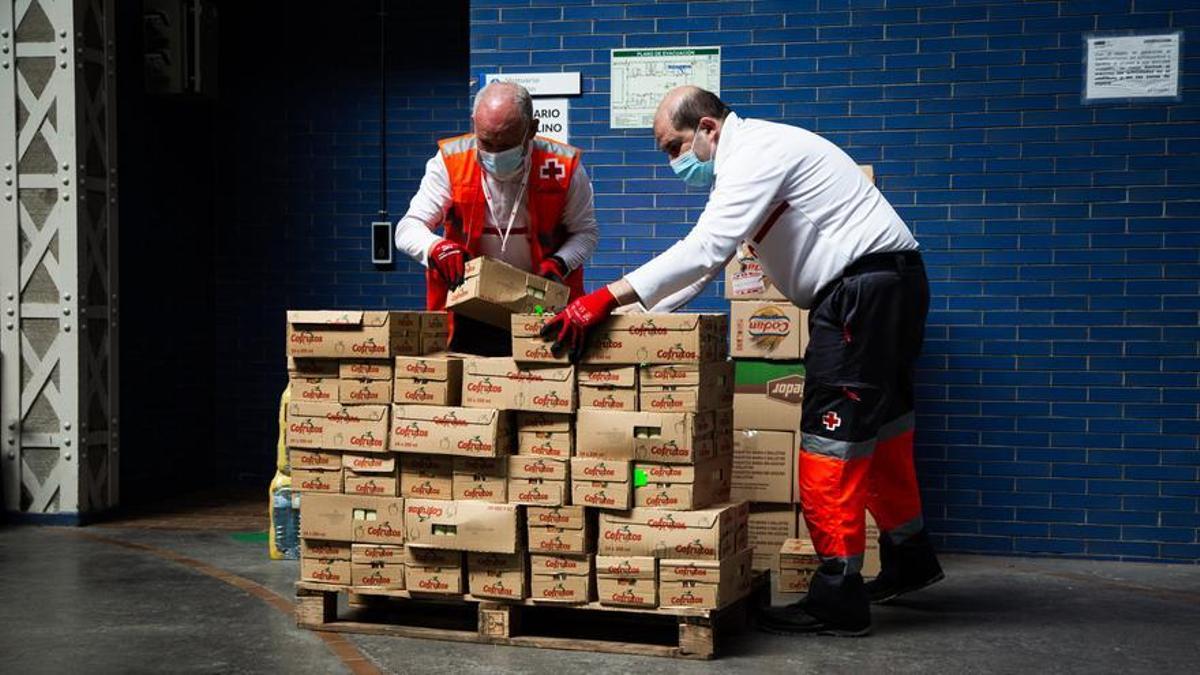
point(554, 118)
point(540, 84)
point(640, 78)
point(1132, 66)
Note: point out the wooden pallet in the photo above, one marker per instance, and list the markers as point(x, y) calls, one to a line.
point(677, 632)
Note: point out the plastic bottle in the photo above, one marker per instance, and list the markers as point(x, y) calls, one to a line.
point(283, 541)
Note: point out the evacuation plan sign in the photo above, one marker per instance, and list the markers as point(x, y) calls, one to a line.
point(1132, 66)
point(640, 77)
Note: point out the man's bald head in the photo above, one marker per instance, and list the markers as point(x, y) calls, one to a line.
point(503, 116)
point(679, 115)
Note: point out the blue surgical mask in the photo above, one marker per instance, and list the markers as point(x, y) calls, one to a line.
point(693, 171)
point(503, 164)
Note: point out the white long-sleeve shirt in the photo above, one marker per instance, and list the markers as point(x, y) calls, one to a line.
point(415, 231)
point(801, 201)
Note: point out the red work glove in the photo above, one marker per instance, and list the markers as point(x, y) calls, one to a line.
point(448, 260)
point(569, 327)
point(553, 268)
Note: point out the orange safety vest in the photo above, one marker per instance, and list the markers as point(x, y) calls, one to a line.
point(551, 169)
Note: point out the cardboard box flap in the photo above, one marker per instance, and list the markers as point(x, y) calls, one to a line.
point(802, 547)
point(431, 367)
point(337, 412)
point(508, 368)
point(703, 519)
point(626, 567)
point(446, 416)
point(544, 421)
point(348, 318)
point(623, 376)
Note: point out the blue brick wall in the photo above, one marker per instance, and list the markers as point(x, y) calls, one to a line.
point(1058, 396)
point(298, 183)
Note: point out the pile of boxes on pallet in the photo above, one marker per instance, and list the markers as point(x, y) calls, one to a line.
point(517, 478)
point(769, 335)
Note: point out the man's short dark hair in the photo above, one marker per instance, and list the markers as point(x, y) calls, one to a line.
point(696, 104)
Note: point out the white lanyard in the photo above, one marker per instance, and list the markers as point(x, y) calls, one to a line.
point(512, 214)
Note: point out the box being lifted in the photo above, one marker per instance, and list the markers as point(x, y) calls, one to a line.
point(492, 291)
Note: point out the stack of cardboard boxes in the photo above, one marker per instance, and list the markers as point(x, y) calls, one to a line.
point(522, 478)
point(652, 460)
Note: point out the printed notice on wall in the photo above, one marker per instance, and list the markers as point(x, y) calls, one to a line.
point(1132, 66)
point(640, 78)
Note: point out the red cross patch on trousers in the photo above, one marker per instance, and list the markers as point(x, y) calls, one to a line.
point(831, 421)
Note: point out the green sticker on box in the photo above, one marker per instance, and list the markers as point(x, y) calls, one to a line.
point(539, 310)
point(639, 478)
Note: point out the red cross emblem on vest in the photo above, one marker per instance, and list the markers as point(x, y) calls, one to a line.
point(552, 169)
point(831, 421)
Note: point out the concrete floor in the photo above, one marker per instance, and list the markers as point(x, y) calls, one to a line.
point(109, 599)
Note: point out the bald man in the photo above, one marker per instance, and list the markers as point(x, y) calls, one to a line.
point(833, 245)
point(502, 192)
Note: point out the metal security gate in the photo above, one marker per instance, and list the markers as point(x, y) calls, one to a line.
point(58, 257)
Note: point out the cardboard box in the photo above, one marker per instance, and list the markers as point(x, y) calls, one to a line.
point(307, 368)
point(312, 480)
point(561, 541)
point(364, 370)
point(704, 584)
point(345, 333)
point(332, 572)
point(314, 459)
point(708, 534)
point(497, 576)
point(633, 339)
point(550, 444)
point(370, 553)
point(684, 487)
point(378, 575)
point(377, 520)
point(608, 388)
point(770, 525)
point(427, 476)
point(492, 291)
point(798, 562)
point(483, 479)
point(601, 483)
point(502, 384)
point(768, 330)
point(571, 565)
point(567, 589)
point(723, 431)
point(687, 388)
point(369, 463)
point(767, 395)
point(315, 389)
point(358, 392)
point(681, 438)
point(428, 380)
point(626, 567)
point(328, 550)
point(764, 466)
point(539, 491)
point(532, 466)
point(442, 430)
point(332, 426)
point(371, 484)
point(327, 516)
point(463, 525)
point(625, 592)
point(745, 279)
point(545, 434)
point(430, 571)
point(565, 517)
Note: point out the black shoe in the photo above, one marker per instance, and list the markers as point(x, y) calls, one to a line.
point(794, 620)
point(906, 567)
